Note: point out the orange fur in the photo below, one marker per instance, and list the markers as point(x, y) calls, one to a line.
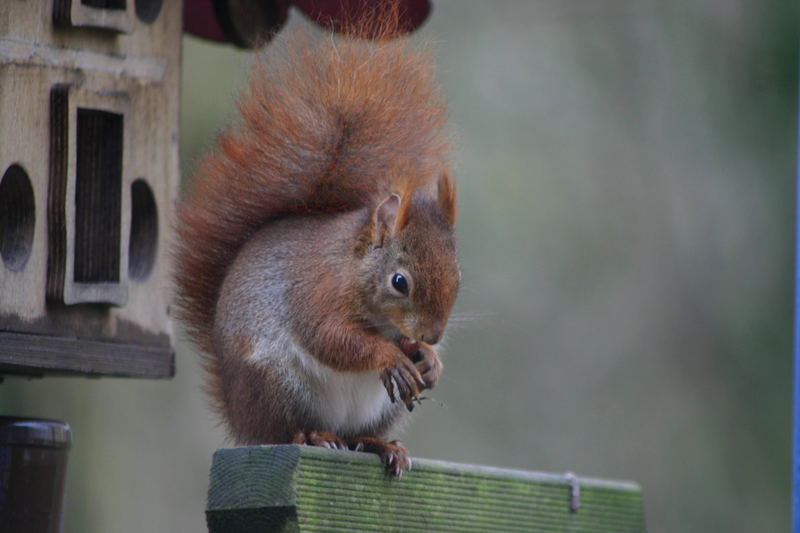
point(325, 125)
point(446, 197)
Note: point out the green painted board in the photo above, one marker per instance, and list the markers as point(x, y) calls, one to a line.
point(291, 488)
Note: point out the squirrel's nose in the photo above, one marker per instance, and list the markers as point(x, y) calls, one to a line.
point(432, 334)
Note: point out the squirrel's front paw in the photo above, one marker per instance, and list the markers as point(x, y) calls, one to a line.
point(403, 381)
point(426, 359)
point(429, 364)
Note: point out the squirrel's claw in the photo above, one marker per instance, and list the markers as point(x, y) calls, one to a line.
point(425, 359)
point(405, 380)
point(393, 454)
point(390, 386)
point(396, 459)
point(323, 439)
point(428, 364)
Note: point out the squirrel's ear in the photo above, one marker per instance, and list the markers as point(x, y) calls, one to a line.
point(385, 218)
point(403, 213)
point(447, 198)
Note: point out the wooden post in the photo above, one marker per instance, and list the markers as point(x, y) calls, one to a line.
point(291, 488)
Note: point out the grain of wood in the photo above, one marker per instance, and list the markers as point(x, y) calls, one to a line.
point(289, 488)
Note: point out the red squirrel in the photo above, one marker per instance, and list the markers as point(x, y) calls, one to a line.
point(316, 262)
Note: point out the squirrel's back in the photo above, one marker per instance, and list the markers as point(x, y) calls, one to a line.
point(325, 125)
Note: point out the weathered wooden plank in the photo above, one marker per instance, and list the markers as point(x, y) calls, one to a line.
point(289, 488)
point(22, 353)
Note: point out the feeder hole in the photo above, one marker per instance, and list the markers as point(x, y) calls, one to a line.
point(17, 217)
point(144, 231)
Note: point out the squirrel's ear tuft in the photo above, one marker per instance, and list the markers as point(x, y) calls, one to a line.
point(447, 198)
point(385, 218)
point(404, 213)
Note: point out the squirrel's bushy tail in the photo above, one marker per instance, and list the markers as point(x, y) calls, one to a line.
point(326, 125)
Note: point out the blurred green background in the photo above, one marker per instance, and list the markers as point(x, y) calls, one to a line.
point(626, 190)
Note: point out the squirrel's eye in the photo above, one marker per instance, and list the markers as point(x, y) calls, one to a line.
point(400, 284)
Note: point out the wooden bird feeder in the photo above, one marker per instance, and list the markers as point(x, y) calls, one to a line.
point(89, 170)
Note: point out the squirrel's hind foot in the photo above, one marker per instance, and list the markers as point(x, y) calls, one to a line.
point(324, 439)
point(393, 454)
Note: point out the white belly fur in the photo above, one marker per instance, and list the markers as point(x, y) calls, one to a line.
point(343, 402)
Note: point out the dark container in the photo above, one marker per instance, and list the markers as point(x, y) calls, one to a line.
point(33, 468)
